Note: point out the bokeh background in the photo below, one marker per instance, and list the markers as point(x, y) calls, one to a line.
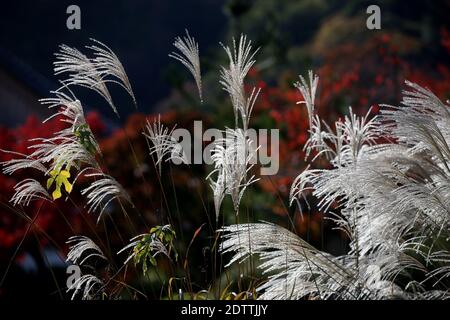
point(357, 67)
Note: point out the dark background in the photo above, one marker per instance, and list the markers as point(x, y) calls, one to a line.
point(141, 33)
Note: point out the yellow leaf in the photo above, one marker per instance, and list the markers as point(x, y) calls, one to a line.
point(59, 177)
point(56, 194)
point(50, 182)
point(67, 186)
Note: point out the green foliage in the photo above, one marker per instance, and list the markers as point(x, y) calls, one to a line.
point(84, 134)
point(158, 241)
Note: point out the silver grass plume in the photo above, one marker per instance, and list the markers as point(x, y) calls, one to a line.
point(52, 150)
point(189, 57)
point(295, 268)
point(241, 59)
point(102, 192)
point(343, 145)
point(219, 190)
point(71, 146)
point(308, 90)
point(24, 162)
point(68, 107)
point(93, 73)
point(109, 66)
point(82, 249)
point(81, 72)
point(163, 144)
point(87, 285)
point(74, 146)
point(62, 152)
point(59, 153)
point(248, 107)
point(29, 190)
point(235, 155)
point(393, 198)
point(233, 158)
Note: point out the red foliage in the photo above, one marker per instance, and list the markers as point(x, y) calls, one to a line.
point(47, 217)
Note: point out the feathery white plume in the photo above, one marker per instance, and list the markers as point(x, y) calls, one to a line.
point(232, 78)
point(11, 166)
point(298, 270)
point(29, 190)
point(81, 72)
point(62, 152)
point(101, 192)
point(219, 190)
point(234, 157)
point(189, 57)
point(74, 146)
point(394, 200)
point(82, 249)
point(164, 145)
point(308, 91)
point(109, 66)
point(86, 284)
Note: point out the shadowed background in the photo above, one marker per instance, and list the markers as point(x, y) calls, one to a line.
point(140, 32)
point(357, 67)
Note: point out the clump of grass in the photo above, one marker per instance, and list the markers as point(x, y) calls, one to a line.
point(389, 178)
point(393, 200)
